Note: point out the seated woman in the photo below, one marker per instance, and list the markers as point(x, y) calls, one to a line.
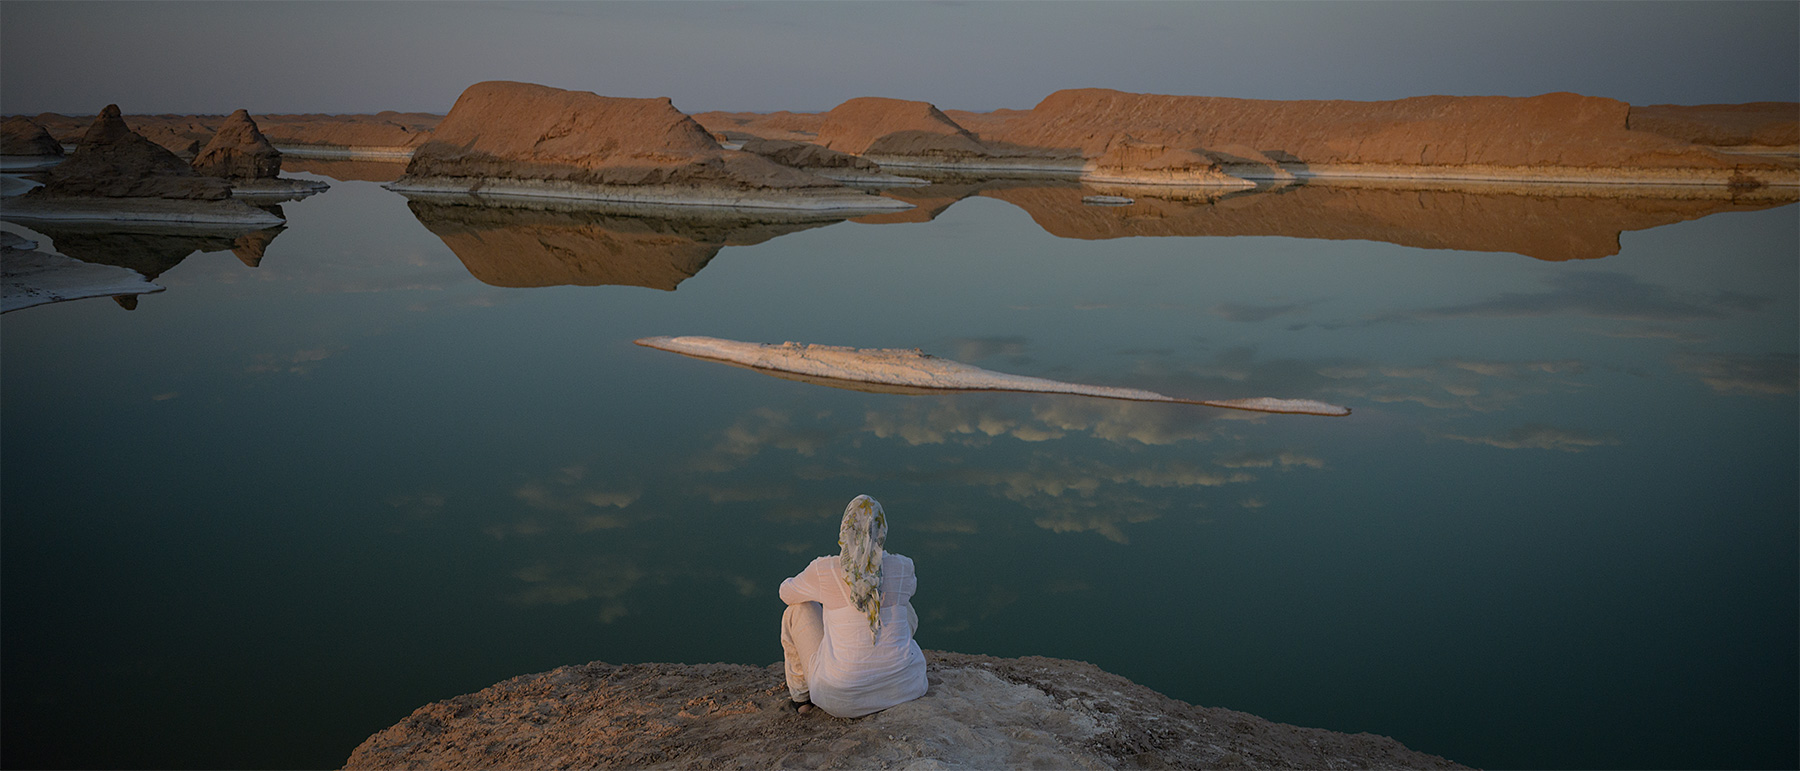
point(848, 630)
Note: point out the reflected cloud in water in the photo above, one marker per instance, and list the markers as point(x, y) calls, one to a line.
point(1537, 436)
point(1595, 294)
point(1769, 374)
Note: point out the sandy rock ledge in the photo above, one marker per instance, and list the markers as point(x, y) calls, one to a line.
point(981, 712)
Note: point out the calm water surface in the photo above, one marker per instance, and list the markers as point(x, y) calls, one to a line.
point(407, 455)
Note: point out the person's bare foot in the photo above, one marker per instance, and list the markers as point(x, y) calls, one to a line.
point(802, 707)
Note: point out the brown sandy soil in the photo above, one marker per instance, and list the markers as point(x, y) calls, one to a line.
point(784, 125)
point(530, 247)
point(383, 129)
point(986, 125)
point(981, 713)
point(1757, 124)
point(346, 171)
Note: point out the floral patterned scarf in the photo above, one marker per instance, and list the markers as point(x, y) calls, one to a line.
point(861, 536)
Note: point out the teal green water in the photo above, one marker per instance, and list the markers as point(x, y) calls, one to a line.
point(274, 509)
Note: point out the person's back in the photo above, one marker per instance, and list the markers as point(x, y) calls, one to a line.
point(853, 653)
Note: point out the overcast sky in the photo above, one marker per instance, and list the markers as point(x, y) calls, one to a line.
point(272, 57)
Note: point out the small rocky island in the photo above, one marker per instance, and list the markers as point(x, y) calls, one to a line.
point(982, 712)
point(116, 174)
point(240, 153)
point(522, 140)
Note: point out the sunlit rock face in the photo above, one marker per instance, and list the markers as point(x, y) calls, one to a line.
point(523, 131)
point(21, 136)
point(1552, 130)
point(896, 127)
point(113, 161)
point(1552, 137)
point(239, 151)
point(1754, 124)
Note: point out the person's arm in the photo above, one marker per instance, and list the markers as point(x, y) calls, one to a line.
point(801, 588)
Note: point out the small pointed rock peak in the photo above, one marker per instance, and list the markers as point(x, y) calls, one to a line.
point(109, 126)
point(113, 161)
point(238, 151)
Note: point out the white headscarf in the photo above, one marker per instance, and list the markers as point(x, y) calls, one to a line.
point(861, 536)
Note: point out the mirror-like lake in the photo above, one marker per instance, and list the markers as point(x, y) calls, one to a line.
point(401, 450)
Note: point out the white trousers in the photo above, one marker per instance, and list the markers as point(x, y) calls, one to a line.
point(802, 629)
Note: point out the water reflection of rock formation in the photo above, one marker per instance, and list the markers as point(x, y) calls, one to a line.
point(584, 246)
point(151, 249)
point(1540, 226)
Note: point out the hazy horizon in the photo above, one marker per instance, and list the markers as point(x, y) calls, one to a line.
point(355, 57)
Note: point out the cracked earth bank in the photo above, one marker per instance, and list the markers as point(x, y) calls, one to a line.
point(981, 713)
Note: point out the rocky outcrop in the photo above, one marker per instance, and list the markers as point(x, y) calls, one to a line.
point(522, 139)
point(21, 136)
point(981, 712)
point(238, 151)
point(806, 155)
point(1764, 125)
point(113, 161)
point(878, 127)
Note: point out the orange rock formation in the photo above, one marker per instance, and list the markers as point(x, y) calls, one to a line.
point(22, 136)
point(895, 127)
point(1755, 124)
point(525, 139)
point(239, 151)
point(113, 161)
point(1553, 137)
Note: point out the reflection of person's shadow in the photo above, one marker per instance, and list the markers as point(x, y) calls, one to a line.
point(150, 248)
point(547, 244)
